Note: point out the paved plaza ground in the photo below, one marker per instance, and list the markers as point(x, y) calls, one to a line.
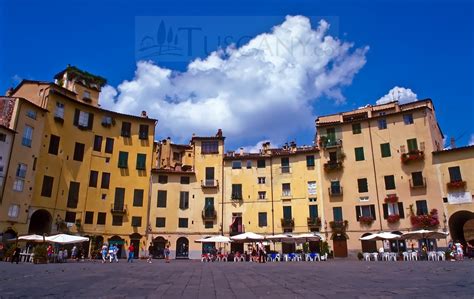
point(193, 279)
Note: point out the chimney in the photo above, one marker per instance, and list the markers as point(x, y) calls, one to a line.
point(241, 151)
point(293, 146)
point(144, 115)
point(9, 92)
point(219, 133)
point(453, 142)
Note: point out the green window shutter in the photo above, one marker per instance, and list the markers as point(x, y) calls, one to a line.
point(385, 149)
point(412, 144)
point(123, 160)
point(141, 161)
point(356, 128)
point(359, 154)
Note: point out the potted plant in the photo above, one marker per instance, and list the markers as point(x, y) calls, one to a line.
point(424, 221)
point(360, 256)
point(393, 218)
point(366, 220)
point(40, 254)
point(391, 198)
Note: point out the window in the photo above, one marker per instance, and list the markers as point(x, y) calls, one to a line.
point(21, 170)
point(119, 199)
point(286, 189)
point(73, 195)
point(209, 147)
point(97, 143)
point(3, 137)
point(160, 222)
point(208, 224)
point(126, 129)
point(70, 217)
point(59, 112)
point(287, 212)
point(27, 136)
point(79, 152)
point(412, 145)
point(417, 179)
point(249, 164)
point(364, 198)
point(236, 164)
point(261, 163)
point(141, 161)
point(389, 182)
point(236, 191)
point(87, 95)
point(104, 184)
point(421, 207)
point(136, 221)
point(210, 177)
point(13, 211)
point(366, 211)
point(163, 179)
point(184, 200)
point(18, 185)
point(161, 203)
point(123, 160)
point(313, 211)
point(117, 220)
point(89, 218)
point(359, 154)
point(310, 161)
point(185, 180)
point(385, 150)
point(336, 187)
point(53, 144)
point(143, 132)
point(182, 222)
point(138, 198)
point(93, 178)
point(390, 209)
point(455, 174)
point(312, 199)
point(262, 194)
point(109, 145)
point(285, 165)
point(261, 180)
point(408, 119)
point(262, 219)
point(382, 124)
point(83, 119)
point(47, 187)
point(107, 121)
point(31, 114)
point(176, 156)
point(101, 218)
point(312, 188)
point(362, 185)
point(356, 128)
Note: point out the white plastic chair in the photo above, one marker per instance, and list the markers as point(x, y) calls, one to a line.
point(393, 256)
point(375, 256)
point(366, 256)
point(414, 256)
point(324, 257)
point(432, 256)
point(441, 256)
point(406, 256)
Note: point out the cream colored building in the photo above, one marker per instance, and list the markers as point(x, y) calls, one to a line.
point(378, 171)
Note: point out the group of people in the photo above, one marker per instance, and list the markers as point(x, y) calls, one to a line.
point(258, 253)
point(109, 253)
point(77, 253)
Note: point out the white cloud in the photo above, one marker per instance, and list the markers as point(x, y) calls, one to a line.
point(16, 79)
point(471, 141)
point(262, 90)
point(401, 94)
point(257, 147)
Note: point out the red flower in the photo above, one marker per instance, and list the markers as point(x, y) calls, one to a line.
point(393, 218)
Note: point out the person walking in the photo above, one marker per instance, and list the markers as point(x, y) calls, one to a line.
point(116, 253)
point(261, 253)
point(167, 253)
point(50, 253)
point(131, 253)
point(151, 249)
point(74, 252)
point(16, 255)
point(103, 252)
point(111, 253)
point(65, 255)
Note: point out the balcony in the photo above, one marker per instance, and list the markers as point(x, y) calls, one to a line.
point(209, 213)
point(452, 185)
point(333, 166)
point(339, 226)
point(287, 223)
point(412, 156)
point(335, 191)
point(285, 169)
point(314, 222)
point(327, 143)
point(209, 183)
point(236, 196)
point(118, 209)
point(418, 183)
point(286, 194)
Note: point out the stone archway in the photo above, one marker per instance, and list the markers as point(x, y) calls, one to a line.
point(40, 222)
point(182, 248)
point(135, 240)
point(159, 244)
point(461, 226)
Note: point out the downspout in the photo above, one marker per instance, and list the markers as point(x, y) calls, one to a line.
point(271, 191)
point(375, 174)
point(222, 190)
point(150, 189)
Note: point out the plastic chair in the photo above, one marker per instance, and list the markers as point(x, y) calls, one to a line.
point(366, 256)
point(441, 256)
point(414, 256)
point(375, 256)
point(205, 258)
point(406, 256)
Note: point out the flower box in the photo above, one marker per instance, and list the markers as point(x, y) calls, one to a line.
point(393, 218)
point(366, 220)
point(412, 156)
point(425, 221)
point(391, 198)
point(456, 184)
point(338, 226)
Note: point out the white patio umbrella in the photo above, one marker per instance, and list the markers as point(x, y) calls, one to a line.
point(214, 239)
point(247, 237)
point(423, 234)
point(32, 238)
point(308, 237)
point(282, 238)
point(66, 239)
point(380, 236)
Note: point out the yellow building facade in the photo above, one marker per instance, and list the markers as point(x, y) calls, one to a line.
point(93, 167)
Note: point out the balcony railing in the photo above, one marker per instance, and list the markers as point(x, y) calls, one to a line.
point(209, 214)
point(335, 191)
point(286, 194)
point(326, 143)
point(415, 155)
point(332, 165)
point(236, 196)
point(418, 183)
point(285, 169)
point(118, 209)
point(456, 185)
point(314, 222)
point(338, 226)
point(287, 222)
point(209, 183)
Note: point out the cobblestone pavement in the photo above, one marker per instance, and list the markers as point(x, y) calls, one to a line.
point(193, 279)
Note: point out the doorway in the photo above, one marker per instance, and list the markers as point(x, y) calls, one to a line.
point(159, 244)
point(182, 248)
point(368, 245)
point(135, 241)
point(40, 222)
point(340, 246)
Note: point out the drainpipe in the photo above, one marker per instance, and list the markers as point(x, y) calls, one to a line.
point(375, 174)
point(222, 190)
point(271, 191)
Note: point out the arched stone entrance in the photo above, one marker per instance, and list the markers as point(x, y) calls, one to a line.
point(135, 240)
point(368, 245)
point(40, 222)
point(182, 248)
point(159, 244)
point(461, 226)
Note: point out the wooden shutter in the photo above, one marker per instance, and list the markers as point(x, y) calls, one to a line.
point(372, 211)
point(76, 117)
point(401, 212)
point(91, 121)
point(385, 211)
point(358, 212)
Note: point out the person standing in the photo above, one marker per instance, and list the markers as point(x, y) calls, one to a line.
point(111, 253)
point(151, 249)
point(261, 253)
point(65, 255)
point(115, 250)
point(16, 255)
point(50, 253)
point(103, 252)
point(131, 253)
point(74, 252)
point(167, 253)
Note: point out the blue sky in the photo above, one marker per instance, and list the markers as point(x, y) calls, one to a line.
point(426, 46)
